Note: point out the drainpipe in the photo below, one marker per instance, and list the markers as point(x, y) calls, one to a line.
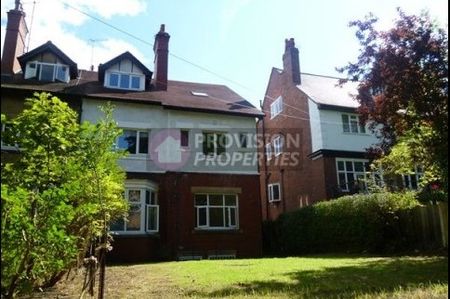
point(265, 162)
point(282, 190)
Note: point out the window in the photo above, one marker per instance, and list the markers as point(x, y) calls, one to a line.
point(351, 124)
point(411, 181)
point(214, 143)
point(184, 138)
point(7, 127)
point(274, 192)
point(269, 151)
point(199, 93)
point(124, 81)
point(351, 174)
point(278, 145)
point(133, 141)
point(47, 71)
point(216, 211)
point(276, 107)
point(143, 215)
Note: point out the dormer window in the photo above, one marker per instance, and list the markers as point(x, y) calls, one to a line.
point(125, 80)
point(50, 72)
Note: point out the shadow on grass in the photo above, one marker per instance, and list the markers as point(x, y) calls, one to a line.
point(344, 282)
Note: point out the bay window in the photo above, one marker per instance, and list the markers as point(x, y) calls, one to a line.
point(143, 213)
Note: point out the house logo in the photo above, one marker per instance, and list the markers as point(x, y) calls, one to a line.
point(166, 150)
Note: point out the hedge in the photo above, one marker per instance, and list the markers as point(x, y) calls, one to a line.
point(350, 224)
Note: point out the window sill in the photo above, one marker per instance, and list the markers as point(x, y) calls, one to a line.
point(205, 231)
point(137, 235)
point(356, 134)
point(137, 157)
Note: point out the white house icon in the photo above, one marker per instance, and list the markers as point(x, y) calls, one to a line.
point(169, 151)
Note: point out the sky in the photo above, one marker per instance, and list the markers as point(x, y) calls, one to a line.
point(230, 42)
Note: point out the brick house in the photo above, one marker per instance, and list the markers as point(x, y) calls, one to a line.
point(190, 194)
point(315, 148)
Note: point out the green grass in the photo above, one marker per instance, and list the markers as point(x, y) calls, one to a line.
point(307, 277)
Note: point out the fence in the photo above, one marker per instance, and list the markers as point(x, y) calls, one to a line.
point(427, 225)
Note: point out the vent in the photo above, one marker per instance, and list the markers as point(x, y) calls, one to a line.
point(199, 93)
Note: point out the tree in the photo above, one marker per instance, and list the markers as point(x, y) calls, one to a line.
point(59, 195)
point(403, 90)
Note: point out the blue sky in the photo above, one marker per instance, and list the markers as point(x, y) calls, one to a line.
point(238, 39)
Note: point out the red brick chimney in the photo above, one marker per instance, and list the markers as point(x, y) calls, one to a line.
point(14, 43)
point(291, 63)
point(161, 49)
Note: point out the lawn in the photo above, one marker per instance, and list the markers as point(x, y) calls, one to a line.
point(306, 277)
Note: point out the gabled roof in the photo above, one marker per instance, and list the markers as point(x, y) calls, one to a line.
point(49, 47)
point(220, 99)
point(326, 91)
point(126, 55)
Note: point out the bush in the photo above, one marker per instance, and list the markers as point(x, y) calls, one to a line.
point(357, 223)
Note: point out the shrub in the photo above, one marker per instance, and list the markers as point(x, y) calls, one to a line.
point(357, 223)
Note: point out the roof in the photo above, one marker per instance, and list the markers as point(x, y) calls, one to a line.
point(325, 90)
point(220, 99)
point(126, 55)
point(49, 47)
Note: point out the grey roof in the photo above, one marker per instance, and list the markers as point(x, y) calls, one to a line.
point(325, 90)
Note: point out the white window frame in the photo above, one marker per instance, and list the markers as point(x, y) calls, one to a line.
point(276, 107)
point(408, 178)
point(278, 145)
point(224, 206)
point(31, 73)
point(138, 132)
point(356, 174)
point(352, 119)
point(144, 208)
point(120, 74)
point(269, 151)
point(270, 191)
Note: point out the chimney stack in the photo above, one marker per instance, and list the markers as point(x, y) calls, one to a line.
point(291, 63)
point(161, 49)
point(14, 43)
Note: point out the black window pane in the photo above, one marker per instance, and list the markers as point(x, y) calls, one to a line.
point(221, 143)
point(118, 225)
point(341, 165)
point(143, 142)
point(230, 200)
point(354, 126)
point(47, 72)
point(345, 125)
point(359, 166)
point(276, 192)
point(201, 216)
point(342, 181)
point(243, 140)
point(216, 217)
point(184, 138)
point(232, 216)
point(216, 200)
point(128, 141)
point(208, 144)
point(200, 200)
point(349, 166)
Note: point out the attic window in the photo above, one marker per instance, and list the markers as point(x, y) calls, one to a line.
point(199, 94)
point(47, 71)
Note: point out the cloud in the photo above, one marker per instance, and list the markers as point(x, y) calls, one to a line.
point(53, 20)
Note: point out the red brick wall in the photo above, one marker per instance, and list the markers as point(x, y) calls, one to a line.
point(177, 219)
